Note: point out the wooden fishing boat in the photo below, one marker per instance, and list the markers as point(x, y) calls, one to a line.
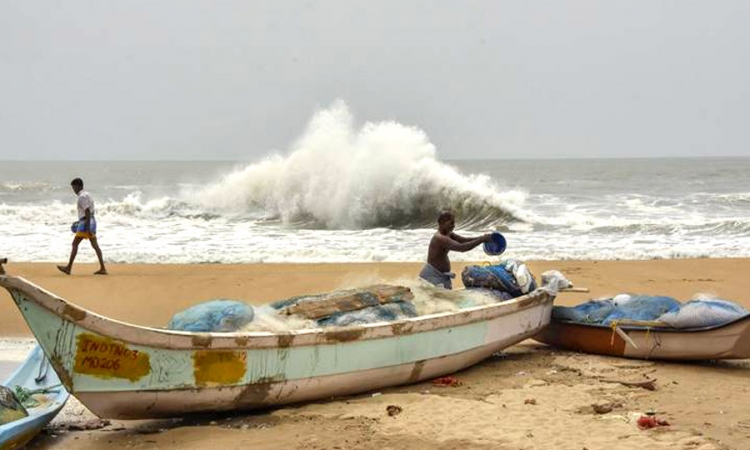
point(119, 370)
point(652, 340)
point(33, 375)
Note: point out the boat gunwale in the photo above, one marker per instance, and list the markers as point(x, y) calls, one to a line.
point(182, 340)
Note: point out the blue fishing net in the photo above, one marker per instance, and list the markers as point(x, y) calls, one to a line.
point(642, 307)
point(704, 313)
point(606, 311)
point(593, 311)
point(491, 277)
point(213, 316)
point(371, 314)
point(503, 277)
point(366, 297)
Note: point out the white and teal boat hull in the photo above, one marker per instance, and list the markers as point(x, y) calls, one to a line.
point(120, 370)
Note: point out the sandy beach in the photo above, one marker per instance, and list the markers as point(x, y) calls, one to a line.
point(527, 397)
point(259, 151)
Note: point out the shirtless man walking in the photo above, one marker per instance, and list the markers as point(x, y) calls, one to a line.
point(85, 228)
point(438, 268)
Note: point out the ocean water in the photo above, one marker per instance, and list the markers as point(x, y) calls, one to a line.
point(344, 193)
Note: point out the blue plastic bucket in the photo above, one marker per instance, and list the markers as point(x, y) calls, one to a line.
point(496, 245)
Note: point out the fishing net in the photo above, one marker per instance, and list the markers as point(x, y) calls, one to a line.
point(324, 305)
point(370, 314)
point(641, 307)
point(213, 316)
point(511, 276)
point(338, 308)
point(693, 314)
point(348, 307)
point(606, 311)
point(11, 409)
point(593, 311)
point(704, 313)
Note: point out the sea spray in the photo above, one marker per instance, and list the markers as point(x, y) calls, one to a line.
point(383, 174)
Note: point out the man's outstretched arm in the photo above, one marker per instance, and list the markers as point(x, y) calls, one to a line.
point(469, 244)
point(460, 239)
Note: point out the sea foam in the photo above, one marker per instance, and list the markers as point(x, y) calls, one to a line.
point(383, 174)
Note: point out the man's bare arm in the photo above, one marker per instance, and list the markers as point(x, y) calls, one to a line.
point(455, 246)
point(87, 219)
point(460, 239)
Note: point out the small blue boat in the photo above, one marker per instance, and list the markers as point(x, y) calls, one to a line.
point(34, 374)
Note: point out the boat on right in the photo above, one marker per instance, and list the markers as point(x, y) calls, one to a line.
point(696, 330)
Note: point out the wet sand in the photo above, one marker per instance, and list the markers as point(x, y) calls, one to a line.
point(529, 396)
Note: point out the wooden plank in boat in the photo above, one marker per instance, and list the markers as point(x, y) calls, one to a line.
point(324, 305)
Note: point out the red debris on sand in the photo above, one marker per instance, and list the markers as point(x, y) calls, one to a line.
point(646, 422)
point(447, 381)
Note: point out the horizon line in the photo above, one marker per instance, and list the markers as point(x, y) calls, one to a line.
point(572, 158)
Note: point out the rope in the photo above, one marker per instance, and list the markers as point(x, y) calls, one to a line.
point(43, 369)
point(613, 325)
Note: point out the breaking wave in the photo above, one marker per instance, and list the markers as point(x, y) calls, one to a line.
point(338, 176)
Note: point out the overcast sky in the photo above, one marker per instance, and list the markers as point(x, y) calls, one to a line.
point(180, 79)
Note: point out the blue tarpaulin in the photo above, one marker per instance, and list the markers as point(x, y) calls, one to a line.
point(652, 308)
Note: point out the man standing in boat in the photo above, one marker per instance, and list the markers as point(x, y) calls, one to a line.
point(438, 268)
point(85, 228)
